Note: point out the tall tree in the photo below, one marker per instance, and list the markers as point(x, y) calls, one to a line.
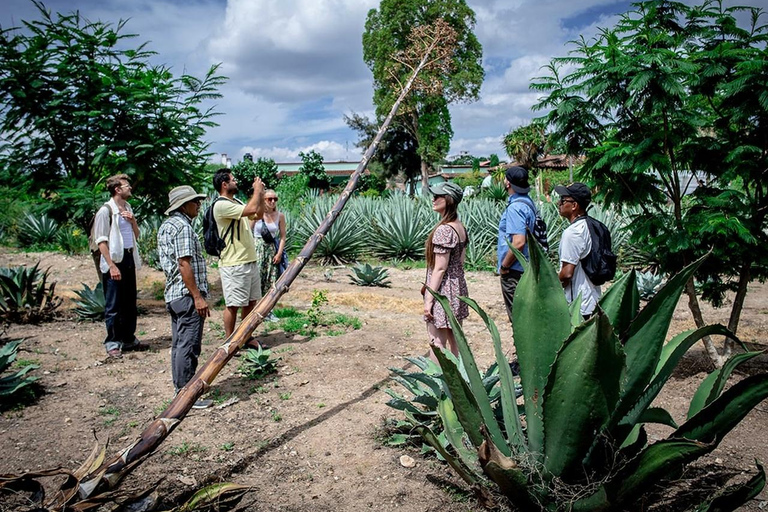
point(525, 144)
point(671, 96)
point(425, 113)
point(76, 101)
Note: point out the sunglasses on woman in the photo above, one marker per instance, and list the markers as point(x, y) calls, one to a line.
point(272, 199)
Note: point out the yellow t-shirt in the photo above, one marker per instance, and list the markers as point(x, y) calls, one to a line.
point(240, 248)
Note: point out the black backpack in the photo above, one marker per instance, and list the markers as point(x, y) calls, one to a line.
point(600, 263)
point(212, 242)
point(539, 226)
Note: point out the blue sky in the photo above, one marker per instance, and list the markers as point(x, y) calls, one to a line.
point(295, 66)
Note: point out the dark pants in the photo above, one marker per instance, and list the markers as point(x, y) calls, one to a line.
point(508, 286)
point(187, 336)
point(120, 309)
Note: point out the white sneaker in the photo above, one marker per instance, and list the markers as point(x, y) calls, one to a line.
point(202, 404)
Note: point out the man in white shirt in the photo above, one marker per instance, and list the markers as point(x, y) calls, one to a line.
point(575, 245)
point(115, 232)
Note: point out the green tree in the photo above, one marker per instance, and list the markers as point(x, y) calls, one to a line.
point(425, 114)
point(265, 168)
point(396, 154)
point(312, 167)
point(671, 96)
point(526, 144)
point(76, 101)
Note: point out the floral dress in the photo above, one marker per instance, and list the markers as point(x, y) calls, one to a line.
point(446, 240)
point(265, 253)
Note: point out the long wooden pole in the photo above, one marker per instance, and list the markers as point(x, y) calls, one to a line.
point(109, 474)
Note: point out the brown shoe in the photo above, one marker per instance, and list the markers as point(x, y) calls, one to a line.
point(136, 347)
point(115, 353)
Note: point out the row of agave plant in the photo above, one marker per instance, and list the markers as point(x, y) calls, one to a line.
point(579, 441)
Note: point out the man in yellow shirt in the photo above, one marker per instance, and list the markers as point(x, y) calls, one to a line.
point(240, 278)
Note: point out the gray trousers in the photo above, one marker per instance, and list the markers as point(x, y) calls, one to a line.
point(187, 336)
point(508, 286)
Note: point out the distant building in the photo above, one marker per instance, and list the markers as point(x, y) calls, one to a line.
point(339, 172)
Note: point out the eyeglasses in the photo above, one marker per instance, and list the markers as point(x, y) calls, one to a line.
point(563, 201)
point(271, 199)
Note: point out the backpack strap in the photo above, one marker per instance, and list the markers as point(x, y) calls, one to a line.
point(230, 229)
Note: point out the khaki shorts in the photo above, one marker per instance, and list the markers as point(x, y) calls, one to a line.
point(241, 284)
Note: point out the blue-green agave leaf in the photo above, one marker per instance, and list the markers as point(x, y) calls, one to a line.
point(657, 415)
point(509, 408)
point(734, 496)
point(452, 461)
point(464, 401)
point(581, 393)
point(474, 377)
point(621, 302)
point(541, 323)
point(454, 432)
point(711, 387)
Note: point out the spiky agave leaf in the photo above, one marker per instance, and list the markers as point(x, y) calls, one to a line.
point(366, 275)
point(91, 303)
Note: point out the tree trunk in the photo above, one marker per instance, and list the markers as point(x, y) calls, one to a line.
point(424, 178)
point(109, 474)
point(738, 306)
point(698, 318)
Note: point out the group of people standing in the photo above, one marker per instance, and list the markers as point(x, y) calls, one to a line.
point(446, 251)
point(253, 257)
point(251, 261)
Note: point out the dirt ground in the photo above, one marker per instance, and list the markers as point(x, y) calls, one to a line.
point(308, 437)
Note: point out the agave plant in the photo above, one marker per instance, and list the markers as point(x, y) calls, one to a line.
point(587, 390)
point(344, 240)
point(481, 218)
point(400, 228)
point(148, 241)
point(25, 295)
point(90, 303)
point(15, 380)
point(366, 275)
point(37, 230)
point(648, 284)
point(256, 363)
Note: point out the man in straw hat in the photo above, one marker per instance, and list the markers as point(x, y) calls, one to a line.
point(186, 284)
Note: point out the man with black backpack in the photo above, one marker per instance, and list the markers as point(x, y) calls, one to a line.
point(586, 260)
point(240, 277)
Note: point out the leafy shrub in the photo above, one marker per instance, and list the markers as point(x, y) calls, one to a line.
point(37, 231)
point(13, 381)
point(587, 390)
point(90, 303)
point(292, 191)
point(72, 240)
point(256, 363)
point(366, 275)
point(495, 192)
point(25, 295)
point(468, 179)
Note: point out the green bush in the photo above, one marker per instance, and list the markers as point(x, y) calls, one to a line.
point(25, 295)
point(148, 240)
point(293, 191)
point(468, 179)
point(587, 388)
point(72, 240)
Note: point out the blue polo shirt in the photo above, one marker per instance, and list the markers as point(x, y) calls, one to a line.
point(517, 219)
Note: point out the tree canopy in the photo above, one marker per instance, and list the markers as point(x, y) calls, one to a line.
point(425, 115)
point(77, 103)
point(670, 97)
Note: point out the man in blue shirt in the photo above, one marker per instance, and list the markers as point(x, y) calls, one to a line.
point(517, 219)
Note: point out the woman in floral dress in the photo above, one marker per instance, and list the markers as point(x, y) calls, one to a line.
point(269, 237)
point(445, 252)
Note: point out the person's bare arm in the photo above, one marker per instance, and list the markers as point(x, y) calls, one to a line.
point(188, 276)
point(438, 272)
point(518, 242)
point(281, 247)
point(566, 273)
point(254, 208)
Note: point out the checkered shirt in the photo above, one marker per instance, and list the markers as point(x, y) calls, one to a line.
point(177, 239)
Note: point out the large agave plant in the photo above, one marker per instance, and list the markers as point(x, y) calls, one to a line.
point(90, 303)
point(481, 218)
point(588, 389)
point(400, 227)
point(344, 240)
point(13, 381)
point(26, 296)
point(37, 230)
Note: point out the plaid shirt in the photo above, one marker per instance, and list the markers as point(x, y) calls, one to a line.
point(177, 239)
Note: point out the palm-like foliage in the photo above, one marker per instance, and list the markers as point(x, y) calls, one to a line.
point(25, 295)
point(400, 228)
point(90, 303)
point(366, 275)
point(344, 240)
point(588, 389)
point(37, 230)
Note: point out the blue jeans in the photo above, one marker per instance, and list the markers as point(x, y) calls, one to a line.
point(120, 309)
